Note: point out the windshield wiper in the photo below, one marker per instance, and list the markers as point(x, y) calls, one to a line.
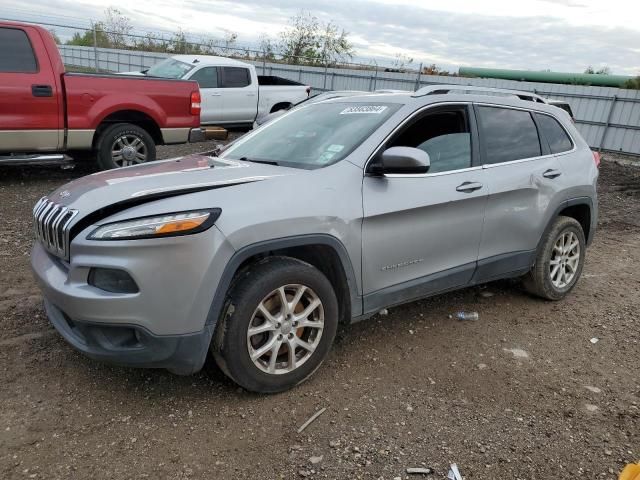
point(253, 160)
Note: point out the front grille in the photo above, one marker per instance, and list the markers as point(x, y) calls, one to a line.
point(51, 223)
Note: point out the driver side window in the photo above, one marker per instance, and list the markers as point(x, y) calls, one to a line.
point(444, 135)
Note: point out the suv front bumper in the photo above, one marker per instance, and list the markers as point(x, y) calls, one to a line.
point(132, 346)
point(163, 325)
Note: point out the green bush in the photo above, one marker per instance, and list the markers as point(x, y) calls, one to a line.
point(634, 83)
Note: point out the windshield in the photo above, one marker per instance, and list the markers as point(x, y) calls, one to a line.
point(169, 68)
point(313, 136)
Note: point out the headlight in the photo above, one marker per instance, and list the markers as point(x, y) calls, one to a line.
point(169, 225)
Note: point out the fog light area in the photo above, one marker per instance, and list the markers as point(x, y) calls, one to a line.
point(112, 280)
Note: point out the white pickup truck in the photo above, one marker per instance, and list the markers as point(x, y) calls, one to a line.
point(233, 94)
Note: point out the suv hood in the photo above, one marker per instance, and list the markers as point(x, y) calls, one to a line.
point(141, 183)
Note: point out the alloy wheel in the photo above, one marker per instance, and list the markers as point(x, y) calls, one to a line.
point(128, 150)
point(285, 329)
point(565, 258)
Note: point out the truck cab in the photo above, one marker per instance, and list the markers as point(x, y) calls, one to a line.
point(232, 92)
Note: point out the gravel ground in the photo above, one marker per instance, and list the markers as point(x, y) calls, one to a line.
point(522, 393)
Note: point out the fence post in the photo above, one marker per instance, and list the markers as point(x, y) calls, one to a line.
point(264, 62)
point(324, 82)
point(418, 78)
point(95, 47)
point(375, 79)
point(606, 125)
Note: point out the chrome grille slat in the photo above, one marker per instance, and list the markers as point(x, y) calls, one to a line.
point(51, 226)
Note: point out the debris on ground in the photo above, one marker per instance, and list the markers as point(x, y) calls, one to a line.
point(311, 419)
point(419, 470)
point(517, 352)
point(384, 312)
point(315, 459)
point(464, 316)
point(454, 473)
point(486, 294)
point(594, 340)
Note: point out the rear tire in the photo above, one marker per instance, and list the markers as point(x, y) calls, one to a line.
point(294, 339)
point(124, 144)
point(559, 260)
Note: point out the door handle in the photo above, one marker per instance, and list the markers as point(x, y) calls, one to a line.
point(41, 91)
point(251, 94)
point(468, 187)
point(551, 173)
point(216, 94)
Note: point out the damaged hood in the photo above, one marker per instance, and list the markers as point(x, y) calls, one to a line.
point(138, 184)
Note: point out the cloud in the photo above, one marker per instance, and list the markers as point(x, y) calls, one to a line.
point(380, 29)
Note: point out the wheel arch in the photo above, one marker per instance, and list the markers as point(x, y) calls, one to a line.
point(134, 117)
point(325, 252)
point(580, 209)
point(280, 106)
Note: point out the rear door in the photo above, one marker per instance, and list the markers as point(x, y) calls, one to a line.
point(421, 232)
point(210, 93)
point(524, 185)
point(240, 95)
point(30, 112)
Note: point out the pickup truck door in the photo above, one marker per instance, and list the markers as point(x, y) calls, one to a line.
point(240, 94)
point(211, 94)
point(31, 112)
point(421, 232)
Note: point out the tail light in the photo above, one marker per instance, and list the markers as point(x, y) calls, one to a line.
point(195, 103)
point(308, 91)
point(596, 158)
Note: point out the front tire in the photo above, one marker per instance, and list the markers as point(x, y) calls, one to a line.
point(559, 260)
point(279, 323)
point(124, 144)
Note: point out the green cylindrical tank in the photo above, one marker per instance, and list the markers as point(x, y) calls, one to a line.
point(595, 79)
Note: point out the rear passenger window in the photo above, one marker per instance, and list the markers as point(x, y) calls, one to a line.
point(235, 77)
point(16, 54)
point(444, 135)
point(206, 77)
point(556, 136)
point(508, 134)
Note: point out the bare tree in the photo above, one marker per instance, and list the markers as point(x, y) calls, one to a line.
point(602, 70)
point(117, 27)
point(308, 40)
point(266, 46)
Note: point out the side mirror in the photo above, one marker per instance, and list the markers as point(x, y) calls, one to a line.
point(402, 160)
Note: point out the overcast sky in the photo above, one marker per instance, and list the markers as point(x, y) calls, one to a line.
point(563, 35)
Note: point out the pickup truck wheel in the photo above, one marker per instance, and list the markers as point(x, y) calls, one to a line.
point(559, 260)
point(279, 324)
point(125, 144)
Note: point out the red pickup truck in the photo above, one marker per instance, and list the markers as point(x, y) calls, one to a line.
point(47, 114)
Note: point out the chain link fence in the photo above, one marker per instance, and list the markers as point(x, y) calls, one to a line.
point(608, 118)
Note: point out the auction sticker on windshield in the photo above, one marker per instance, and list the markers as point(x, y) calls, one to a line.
point(377, 109)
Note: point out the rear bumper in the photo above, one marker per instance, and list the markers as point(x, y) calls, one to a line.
point(131, 345)
point(183, 135)
point(197, 135)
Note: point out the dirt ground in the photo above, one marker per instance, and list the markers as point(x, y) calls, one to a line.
point(522, 393)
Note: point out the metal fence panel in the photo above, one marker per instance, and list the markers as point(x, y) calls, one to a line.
point(608, 118)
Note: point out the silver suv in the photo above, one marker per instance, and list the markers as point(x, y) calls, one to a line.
point(324, 216)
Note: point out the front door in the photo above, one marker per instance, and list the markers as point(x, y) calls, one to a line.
point(421, 233)
point(31, 110)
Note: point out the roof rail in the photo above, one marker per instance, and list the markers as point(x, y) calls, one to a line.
point(471, 89)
